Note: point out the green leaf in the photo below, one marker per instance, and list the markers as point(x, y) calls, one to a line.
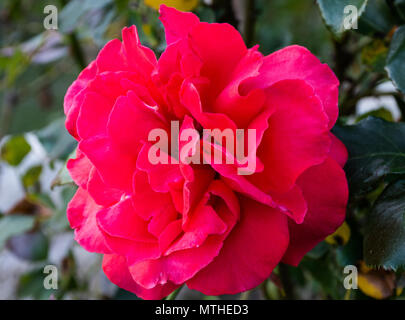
point(400, 6)
point(376, 150)
point(374, 55)
point(384, 242)
point(352, 252)
point(31, 176)
point(14, 224)
point(31, 285)
point(376, 18)
point(401, 105)
point(56, 140)
point(396, 58)
point(318, 251)
point(32, 246)
point(333, 12)
point(75, 10)
point(14, 150)
point(382, 113)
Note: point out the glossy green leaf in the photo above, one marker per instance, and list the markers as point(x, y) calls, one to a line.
point(376, 150)
point(333, 12)
point(384, 242)
point(377, 18)
point(14, 150)
point(400, 6)
point(396, 58)
point(31, 176)
point(382, 113)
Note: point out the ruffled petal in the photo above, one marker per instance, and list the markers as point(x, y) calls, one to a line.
point(220, 48)
point(116, 269)
point(102, 194)
point(193, 252)
point(79, 169)
point(177, 24)
point(242, 108)
point(325, 189)
point(296, 62)
point(121, 221)
point(250, 253)
point(81, 213)
point(129, 55)
point(116, 168)
point(338, 151)
point(78, 85)
point(297, 138)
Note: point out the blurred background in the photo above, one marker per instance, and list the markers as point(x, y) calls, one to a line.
point(38, 65)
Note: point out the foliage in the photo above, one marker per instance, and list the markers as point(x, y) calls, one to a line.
point(38, 65)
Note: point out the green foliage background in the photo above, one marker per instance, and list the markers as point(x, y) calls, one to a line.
point(38, 65)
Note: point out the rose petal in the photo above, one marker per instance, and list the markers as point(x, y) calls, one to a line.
point(121, 221)
point(338, 151)
point(250, 253)
point(296, 62)
point(297, 138)
point(177, 24)
point(116, 269)
point(109, 161)
point(79, 169)
point(325, 189)
point(81, 213)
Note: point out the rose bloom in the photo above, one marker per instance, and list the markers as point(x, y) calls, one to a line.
point(204, 225)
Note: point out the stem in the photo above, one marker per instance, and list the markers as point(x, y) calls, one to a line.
point(174, 294)
point(286, 281)
point(347, 106)
point(245, 295)
point(263, 288)
point(9, 102)
point(76, 48)
point(77, 51)
point(249, 25)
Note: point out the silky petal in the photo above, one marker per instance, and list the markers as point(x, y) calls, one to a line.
point(116, 269)
point(325, 189)
point(81, 213)
point(296, 62)
point(242, 108)
point(160, 176)
point(109, 161)
point(191, 100)
point(177, 24)
point(121, 221)
point(213, 43)
point(128, 55)
point(297, 138)
point(250, 253)
point(102, 194)
point(79, 169)
point(79, 84)
point(292, 203)
point(338, 151)
point(93, 115)
point(130, 123)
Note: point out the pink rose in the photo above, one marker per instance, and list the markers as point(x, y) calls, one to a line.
point(162, 225)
